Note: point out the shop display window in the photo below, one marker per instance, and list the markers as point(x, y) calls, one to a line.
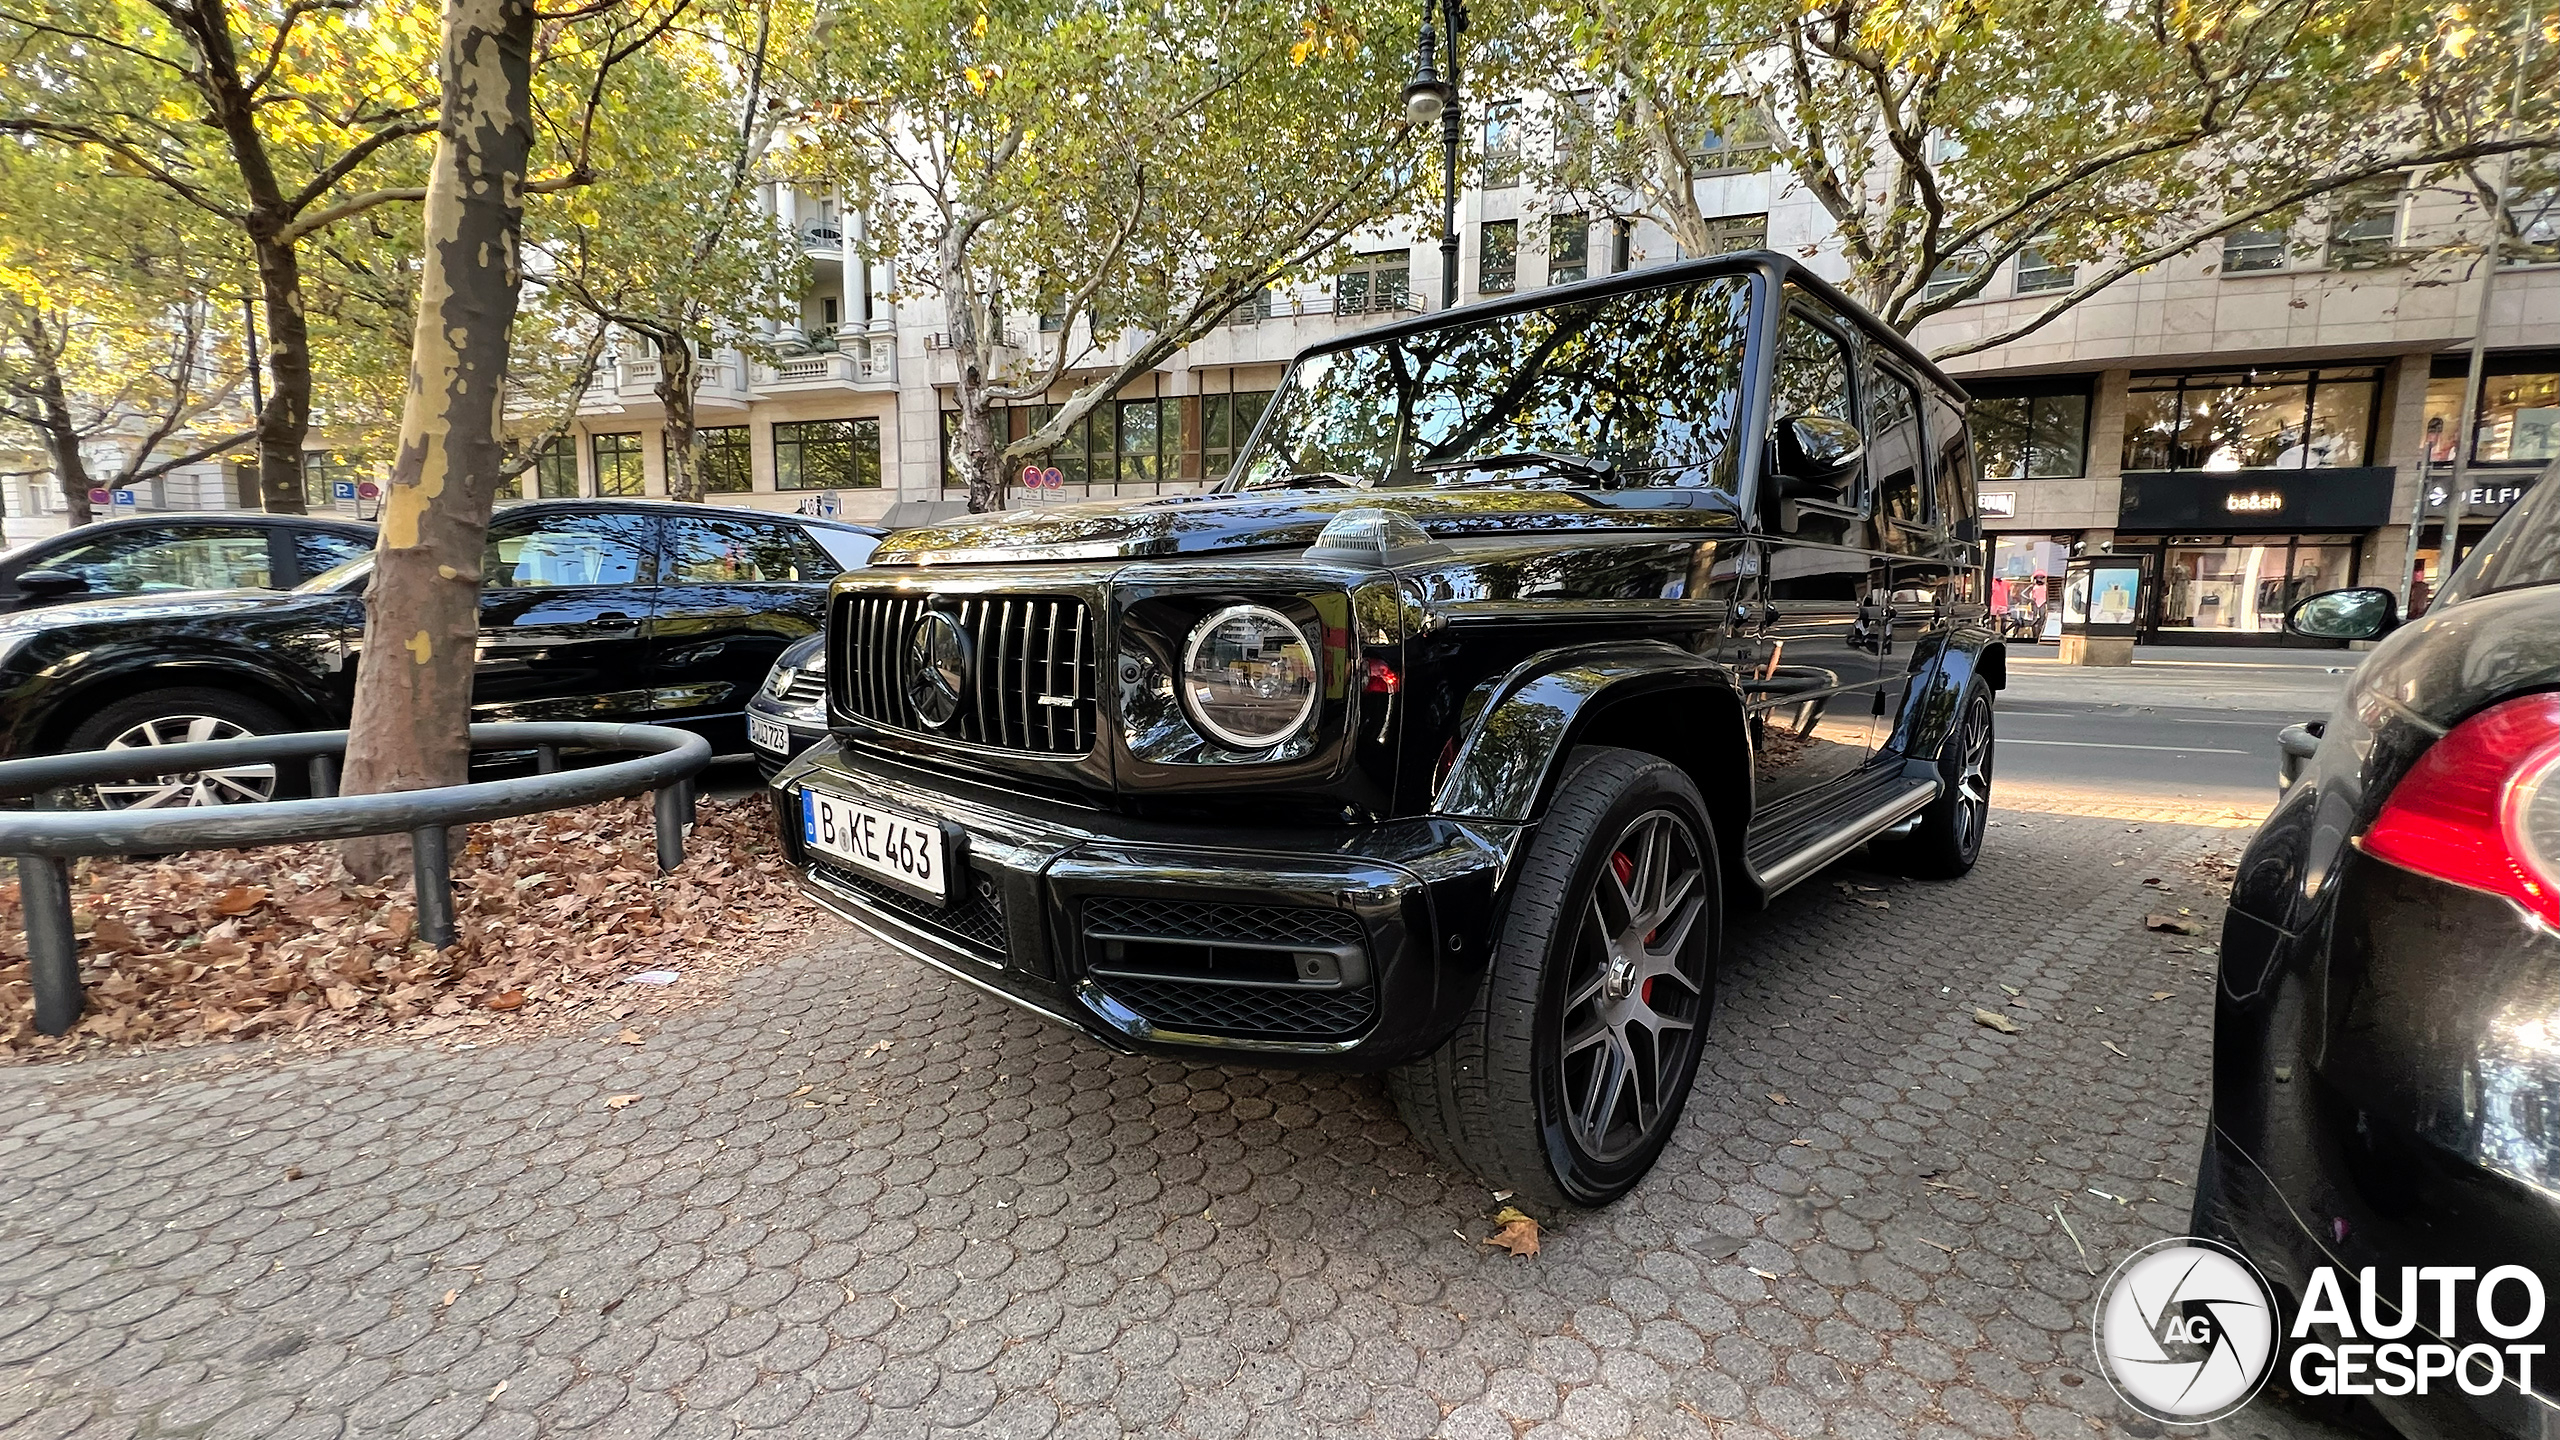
point(2251, 420)
point(2243, 585)
point(2519, 421)
point(2026, 585)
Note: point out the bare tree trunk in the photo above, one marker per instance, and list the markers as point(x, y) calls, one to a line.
point(413, 696)
point(675, 397)
point(61, 431)
point(286, 421)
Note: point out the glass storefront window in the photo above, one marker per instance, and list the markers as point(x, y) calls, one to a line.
point(2031, 437)
point(2026, 585)
point(2519, 422)
point(2253, 420)
point(2244, 587)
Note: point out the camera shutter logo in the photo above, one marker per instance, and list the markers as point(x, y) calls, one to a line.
point(2186, 1331)
point(937, 668)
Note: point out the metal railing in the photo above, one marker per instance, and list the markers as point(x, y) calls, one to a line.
point(42, 840)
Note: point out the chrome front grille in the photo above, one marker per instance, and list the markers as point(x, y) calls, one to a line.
point(1032, 673)
point(807, 687)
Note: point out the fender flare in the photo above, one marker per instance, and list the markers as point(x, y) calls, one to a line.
point(1513, 744)
point(1929, 706)
point(237, 670)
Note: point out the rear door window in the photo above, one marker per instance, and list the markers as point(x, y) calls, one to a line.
point(717, 550)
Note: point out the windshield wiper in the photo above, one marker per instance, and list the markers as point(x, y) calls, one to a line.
point(1308, 479)
point(1602, 471)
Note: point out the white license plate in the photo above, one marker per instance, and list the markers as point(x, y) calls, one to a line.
point(770, 735)
point(897, 849)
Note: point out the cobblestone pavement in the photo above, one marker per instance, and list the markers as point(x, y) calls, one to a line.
point(854, 1198)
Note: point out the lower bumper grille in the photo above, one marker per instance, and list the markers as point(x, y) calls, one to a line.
point(1246, 1012)
point(974, 920)
point(1261, 972)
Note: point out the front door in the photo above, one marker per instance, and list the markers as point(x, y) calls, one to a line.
point(565, 599)
point(1812, 690)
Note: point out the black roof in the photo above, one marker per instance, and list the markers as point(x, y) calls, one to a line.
point(1779, 268)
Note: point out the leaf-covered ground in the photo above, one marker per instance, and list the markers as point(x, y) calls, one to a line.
point(557, 912)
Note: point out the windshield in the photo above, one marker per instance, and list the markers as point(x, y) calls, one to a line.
point(1644, 386)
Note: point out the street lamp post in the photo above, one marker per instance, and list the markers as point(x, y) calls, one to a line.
point(1428, 96)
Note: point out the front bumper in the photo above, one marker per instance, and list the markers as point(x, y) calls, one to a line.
point(1350, 948)
point(796, 723)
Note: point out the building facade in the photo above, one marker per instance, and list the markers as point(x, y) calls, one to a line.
point(2259, 419)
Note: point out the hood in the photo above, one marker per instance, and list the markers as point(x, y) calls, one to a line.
point(1283, 519)
point(162, 605)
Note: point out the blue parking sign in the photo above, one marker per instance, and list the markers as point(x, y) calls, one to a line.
point(124, 497)
point(343, 489)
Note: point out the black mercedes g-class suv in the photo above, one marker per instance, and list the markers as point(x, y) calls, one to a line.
point(1522, 641)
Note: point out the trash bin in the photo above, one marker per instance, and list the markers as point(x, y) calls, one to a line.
point(2102, 600)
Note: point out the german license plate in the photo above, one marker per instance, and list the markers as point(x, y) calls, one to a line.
point(903, 851)
point(770, 735)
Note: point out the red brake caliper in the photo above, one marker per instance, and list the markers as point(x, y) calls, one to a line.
point(1625, 870)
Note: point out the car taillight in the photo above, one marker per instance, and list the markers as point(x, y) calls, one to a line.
point(2481, 808)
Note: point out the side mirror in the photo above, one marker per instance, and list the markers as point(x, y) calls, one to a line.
point(1817, 455)
point(49, 583)
point(2363, 613)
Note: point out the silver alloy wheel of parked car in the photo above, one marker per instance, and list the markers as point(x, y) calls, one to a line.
point(230, 785)
point(1973, 771)
point(1629, 1002)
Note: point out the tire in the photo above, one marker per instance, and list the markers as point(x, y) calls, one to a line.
point(1948, 839)
point(175, 715)
point(1510, 1097)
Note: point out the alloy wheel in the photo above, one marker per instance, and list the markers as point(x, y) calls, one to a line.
point(228, 785)
point(1637, 988)
point(1973, 774)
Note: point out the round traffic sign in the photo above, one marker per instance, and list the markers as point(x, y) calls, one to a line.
point(367, 490)
point(99, 497)
point(1053, 477)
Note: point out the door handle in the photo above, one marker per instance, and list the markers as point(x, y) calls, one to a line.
point(614, 620)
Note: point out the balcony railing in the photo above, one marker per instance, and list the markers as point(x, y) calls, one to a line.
point(821, 235)
point(856, 360)
point(1005, 339)
point(1267, 307)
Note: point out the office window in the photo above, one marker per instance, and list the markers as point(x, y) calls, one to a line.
point(1568, 248)
point(2038, 273)
point(2366, 227)
point(723, 452)
point(2534, 211)
point(555, 469)
point(2249, 251)
point(1497, 256)
point(1142, 441)
point(1502, 144)
point(1374, 284)
point(1740, 147)
point(1729, 233)
point(1952, 275)
point(1226, 423)
point(323, 469)
point(2039, 431)
point(2251, 420)
point(618, 469)
point(826, 455)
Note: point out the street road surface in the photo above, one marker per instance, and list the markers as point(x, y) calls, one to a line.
point(854, 1198)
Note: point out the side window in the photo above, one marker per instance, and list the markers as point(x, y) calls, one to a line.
point(139, 562)
point(549, 551)
point(1897, 458)
point(709, 550)
point(318, 550)
point(1955, 460)
point(1813, 372)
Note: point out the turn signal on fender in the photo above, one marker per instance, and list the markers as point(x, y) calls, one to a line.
point(2481, 809)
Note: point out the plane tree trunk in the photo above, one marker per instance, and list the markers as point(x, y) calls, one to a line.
point(413, 692)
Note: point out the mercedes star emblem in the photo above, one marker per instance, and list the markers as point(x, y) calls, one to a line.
point(937, 668)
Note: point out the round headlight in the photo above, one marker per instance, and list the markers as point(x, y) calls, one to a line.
point(1249, 677)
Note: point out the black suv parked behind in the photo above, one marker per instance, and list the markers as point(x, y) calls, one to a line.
point(1523, 641)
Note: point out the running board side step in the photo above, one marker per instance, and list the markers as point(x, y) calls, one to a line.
point(1894, 808)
